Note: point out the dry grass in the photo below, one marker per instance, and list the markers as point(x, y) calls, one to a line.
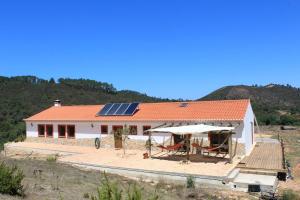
point(51, 180)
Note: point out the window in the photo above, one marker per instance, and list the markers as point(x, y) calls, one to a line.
point(49, 130)
point(104, 129)
point(71, 131)
point(41, 130)
point(133, 130)
point(116, 128)
point(61, 131)
point(146, 128)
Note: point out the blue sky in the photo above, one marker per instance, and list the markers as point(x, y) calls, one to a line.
point(166, 48)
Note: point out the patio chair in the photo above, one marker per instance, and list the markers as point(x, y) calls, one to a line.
point(208, 150)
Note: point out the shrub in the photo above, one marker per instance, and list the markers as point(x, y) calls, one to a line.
point(108, 191)
point(86, 196)
point(134, 193)
point(20, 138)
point(11, 180)
point(154, 196)
point(112, 191)
point(190, 182)
point(290, 195)
point(52, 158)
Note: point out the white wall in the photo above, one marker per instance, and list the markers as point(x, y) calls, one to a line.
point(31, 129)
point(82, 129)
point(248, 131)
point(85, 129)
point(90, 130)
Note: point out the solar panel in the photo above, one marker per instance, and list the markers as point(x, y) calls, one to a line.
point(122, 109)
point(113, 109)
point(131, 109)
point(105, 109)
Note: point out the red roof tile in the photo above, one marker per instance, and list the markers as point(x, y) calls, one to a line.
point(166, 111)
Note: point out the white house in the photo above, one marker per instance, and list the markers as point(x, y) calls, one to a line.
point(96, 121)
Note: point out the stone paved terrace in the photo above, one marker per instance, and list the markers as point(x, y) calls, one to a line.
point(133, 159)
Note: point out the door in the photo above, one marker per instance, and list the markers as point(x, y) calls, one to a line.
point(117, 130)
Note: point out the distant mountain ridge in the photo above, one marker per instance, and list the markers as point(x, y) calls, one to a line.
point(272, 104)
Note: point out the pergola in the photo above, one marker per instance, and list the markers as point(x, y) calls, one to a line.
point(195, 130)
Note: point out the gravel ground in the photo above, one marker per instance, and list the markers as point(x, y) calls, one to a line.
point(48, 180)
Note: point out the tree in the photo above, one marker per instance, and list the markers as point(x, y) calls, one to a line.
point(125, 133)
point(52, 81)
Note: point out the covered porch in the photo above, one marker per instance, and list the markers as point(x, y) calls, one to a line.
point(194, 143)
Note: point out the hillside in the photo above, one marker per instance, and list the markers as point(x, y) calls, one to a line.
point(272, 104)
point(23, 96)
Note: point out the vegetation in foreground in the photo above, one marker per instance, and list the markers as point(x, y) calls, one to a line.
point(290, 195)
point(58, 181)
point(11, 180)
point(112, 191)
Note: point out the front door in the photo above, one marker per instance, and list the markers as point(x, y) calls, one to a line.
point(117, 130)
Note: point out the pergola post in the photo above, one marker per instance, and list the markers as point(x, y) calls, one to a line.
point(187, 143)
point(230, 147)
point(150, 145)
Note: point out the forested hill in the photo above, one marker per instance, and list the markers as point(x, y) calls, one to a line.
point(272, 104)
point(22, 96)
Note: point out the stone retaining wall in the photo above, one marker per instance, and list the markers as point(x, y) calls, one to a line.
point(63, 141)
point(108, 142)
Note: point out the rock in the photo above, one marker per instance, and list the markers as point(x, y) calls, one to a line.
point(288, 128)
point(192, 195)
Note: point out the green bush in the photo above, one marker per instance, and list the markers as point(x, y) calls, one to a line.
point(289, 120)
point(108, 191)
point(190, 182)
point(112, 191)
point(290, 195)
point(52, 158)
point(20, 138)
point(134, 193)
point(11, 180)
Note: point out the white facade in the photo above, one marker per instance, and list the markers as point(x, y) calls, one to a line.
point(244, 132)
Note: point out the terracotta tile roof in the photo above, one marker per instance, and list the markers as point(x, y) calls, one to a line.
point(167, 111)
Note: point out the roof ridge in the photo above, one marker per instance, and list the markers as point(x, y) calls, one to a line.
point(166, 102)
point(79, 105)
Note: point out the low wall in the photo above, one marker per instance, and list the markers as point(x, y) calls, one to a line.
point(108, 142)
point(63, 141)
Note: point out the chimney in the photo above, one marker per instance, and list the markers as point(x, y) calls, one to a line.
point(57, 103)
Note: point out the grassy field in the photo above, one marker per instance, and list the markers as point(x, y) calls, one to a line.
point(47, 180)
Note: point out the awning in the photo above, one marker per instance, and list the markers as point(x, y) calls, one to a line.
point(191, 129)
